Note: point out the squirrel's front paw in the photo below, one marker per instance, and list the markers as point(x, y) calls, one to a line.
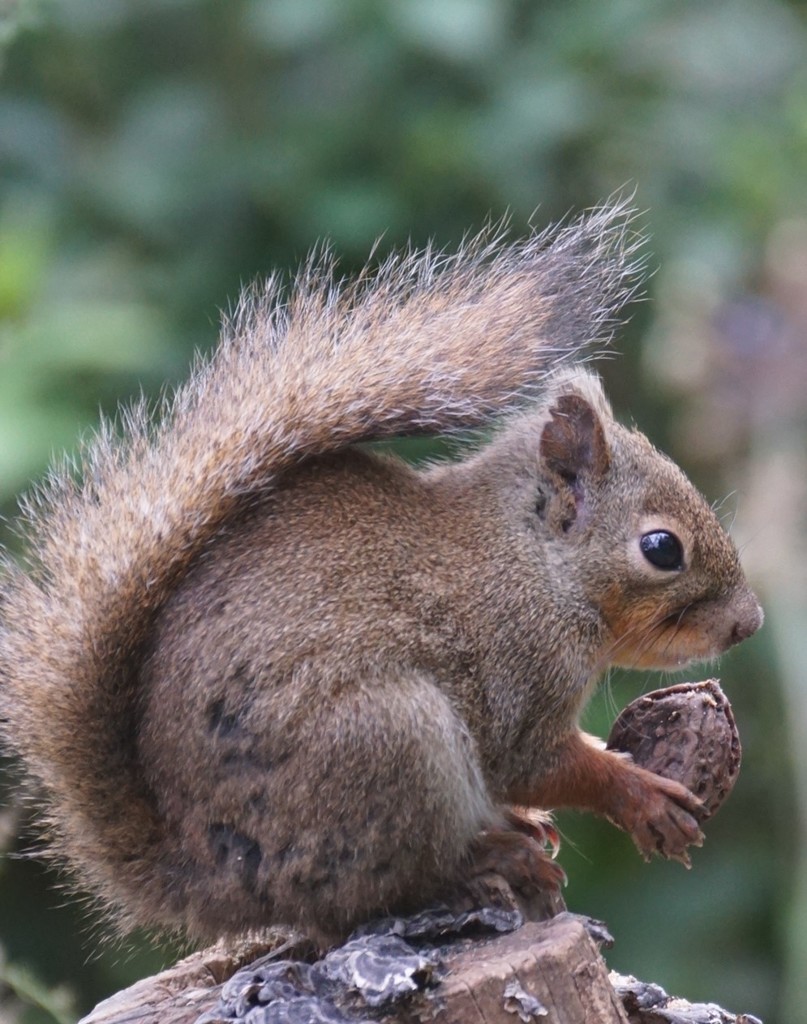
point(660, 815)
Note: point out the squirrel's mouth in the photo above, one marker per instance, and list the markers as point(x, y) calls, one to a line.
point(700, 631)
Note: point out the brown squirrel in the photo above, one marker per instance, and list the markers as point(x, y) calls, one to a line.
point(262, 675)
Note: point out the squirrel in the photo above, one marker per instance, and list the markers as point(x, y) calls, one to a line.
point(262, 674)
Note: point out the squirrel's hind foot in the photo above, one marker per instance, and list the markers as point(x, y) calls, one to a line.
point(519, 857)
point(508, 868)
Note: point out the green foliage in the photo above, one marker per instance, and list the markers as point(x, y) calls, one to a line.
point(156, 154)
point(43, 1003)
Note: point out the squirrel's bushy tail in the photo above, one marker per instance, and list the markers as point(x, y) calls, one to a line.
point(429, 342)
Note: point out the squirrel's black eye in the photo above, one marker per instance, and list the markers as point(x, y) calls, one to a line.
point(662, 549)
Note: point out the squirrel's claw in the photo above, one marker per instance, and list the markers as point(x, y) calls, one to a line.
point(536, 824)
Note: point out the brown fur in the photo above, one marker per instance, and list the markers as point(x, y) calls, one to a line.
point(262, 677)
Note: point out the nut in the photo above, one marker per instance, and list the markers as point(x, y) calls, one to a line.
point(686, 733)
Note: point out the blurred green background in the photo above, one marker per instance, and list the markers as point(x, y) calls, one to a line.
point(157, 154)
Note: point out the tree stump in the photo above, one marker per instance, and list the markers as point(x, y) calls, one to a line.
point(550, 972)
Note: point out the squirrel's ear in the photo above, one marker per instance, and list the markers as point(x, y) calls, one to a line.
point(573, 442)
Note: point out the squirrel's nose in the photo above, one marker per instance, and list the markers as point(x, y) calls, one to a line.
point(748, 622)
